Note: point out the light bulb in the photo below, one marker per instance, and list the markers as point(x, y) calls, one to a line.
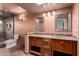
point(0, 22)
point(48, 13)
point(44, 14)
point(20, 17)
point(54, 12)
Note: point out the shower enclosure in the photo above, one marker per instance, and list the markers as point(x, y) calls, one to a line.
point(6, 26)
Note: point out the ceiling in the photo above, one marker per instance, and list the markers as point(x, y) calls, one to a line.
point(32, 7)
point(10, 7)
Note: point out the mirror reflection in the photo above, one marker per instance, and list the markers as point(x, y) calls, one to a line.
point(63, 22)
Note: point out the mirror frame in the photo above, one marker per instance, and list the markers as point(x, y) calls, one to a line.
point(66, 16)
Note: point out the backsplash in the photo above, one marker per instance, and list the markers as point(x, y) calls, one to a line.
point(42, 33)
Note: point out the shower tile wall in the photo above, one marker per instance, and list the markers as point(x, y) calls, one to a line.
point(9, 29)
point(1, 30)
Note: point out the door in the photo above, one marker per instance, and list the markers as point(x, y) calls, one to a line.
point(2, 35)
point(9, 28)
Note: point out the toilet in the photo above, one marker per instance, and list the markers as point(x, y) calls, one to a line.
point(12, 42)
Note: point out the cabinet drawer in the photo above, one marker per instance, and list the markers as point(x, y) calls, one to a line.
point(38, 42)
point(46, 42)
point(32, 40)
point(35, 41)
point(46, 48)
point(46, 51)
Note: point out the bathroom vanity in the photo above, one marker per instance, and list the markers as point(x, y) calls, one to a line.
point(52, 45)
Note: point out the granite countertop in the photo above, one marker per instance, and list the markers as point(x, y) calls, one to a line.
point(54, 36)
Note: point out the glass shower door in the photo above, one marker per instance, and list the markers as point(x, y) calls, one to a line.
point(2, 31)
point(6, 26)
point(9, 28)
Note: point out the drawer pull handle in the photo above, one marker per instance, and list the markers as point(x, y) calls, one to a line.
point(45, 54)
point(46, 40)
point(46, 46)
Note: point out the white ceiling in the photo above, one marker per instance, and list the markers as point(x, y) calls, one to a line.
point(32, 7)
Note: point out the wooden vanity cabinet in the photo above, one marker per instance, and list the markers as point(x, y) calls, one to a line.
point(65, 46)
point(47, 47)
point(42, 44)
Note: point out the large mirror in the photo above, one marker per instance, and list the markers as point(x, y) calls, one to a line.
point(38, 24)
point(63, 22)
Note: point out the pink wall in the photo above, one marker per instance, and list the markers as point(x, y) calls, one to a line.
point(23, 27)
point(49, 24)
point(75, 20)
point(0, 6)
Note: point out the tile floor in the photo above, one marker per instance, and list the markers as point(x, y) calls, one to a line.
point(12, 52)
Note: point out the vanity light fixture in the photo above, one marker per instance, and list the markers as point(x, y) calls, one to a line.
point(21, 18)
point(48, 14)
point(44, 14)
point(54, 13)
point(0, 22)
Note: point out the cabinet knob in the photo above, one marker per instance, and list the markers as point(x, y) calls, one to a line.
point(45, 46)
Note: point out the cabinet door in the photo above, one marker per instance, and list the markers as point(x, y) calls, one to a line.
point(32, 41)
point(74, 48)
point(47, 42)
point(65, 46)
point(68, 47)
point(38, 42)
point(57, 45)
